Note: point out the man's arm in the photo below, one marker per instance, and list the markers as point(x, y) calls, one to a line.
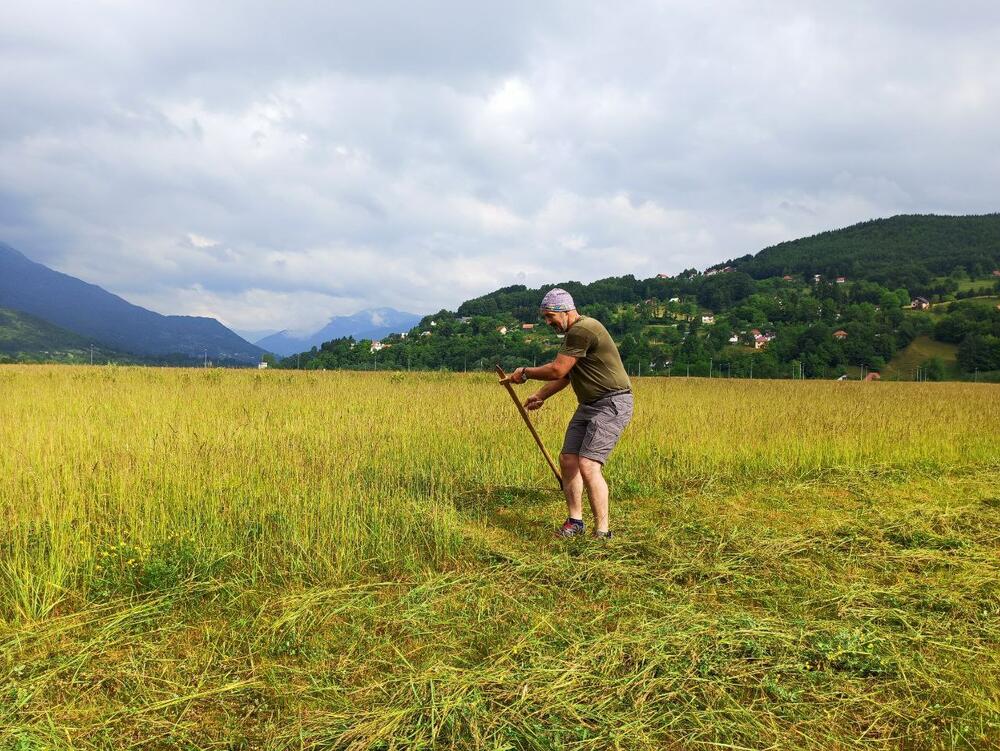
point(552, 387)
point(556, 370)
point(536, 400)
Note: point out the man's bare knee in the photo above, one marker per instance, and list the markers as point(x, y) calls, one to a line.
point(569, 462)
point(589, 468)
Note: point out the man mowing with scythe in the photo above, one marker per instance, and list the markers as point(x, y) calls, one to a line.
point(589, 360)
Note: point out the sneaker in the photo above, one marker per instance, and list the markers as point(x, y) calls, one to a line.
point(602, 535)
point(570, 528)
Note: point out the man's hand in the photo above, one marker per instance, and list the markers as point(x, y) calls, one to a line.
point(518, 376)
point(534, 402)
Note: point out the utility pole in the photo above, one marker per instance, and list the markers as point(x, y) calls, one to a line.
point(711, 364)
point(751, 368)
point(91, 354)
point(206, 358)
point(298, 366)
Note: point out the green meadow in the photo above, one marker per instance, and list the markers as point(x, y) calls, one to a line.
point(212, 559)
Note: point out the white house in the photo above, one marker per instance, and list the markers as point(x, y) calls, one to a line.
point(708, 319)
point(377, 346)
point(262, 365)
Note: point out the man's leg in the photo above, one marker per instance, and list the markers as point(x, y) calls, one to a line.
point(597, 492)
point(572, 484)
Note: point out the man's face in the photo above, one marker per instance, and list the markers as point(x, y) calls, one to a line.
point(556, 320)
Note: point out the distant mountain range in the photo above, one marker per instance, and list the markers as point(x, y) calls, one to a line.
point(368, 324)
point(109, 321)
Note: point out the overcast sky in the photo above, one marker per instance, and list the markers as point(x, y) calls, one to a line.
point(273, 164)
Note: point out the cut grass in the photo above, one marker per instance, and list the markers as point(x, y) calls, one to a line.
point(314, 561)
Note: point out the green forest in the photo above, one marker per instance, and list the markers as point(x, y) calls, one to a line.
point(842, 303)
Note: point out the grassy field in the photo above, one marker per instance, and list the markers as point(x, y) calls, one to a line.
point(218, 559)
point(964, 285)
point(986, 301)
point(917, 353)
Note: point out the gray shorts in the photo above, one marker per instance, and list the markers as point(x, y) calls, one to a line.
point(597, 426)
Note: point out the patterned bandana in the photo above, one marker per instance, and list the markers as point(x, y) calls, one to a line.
point(558, 300)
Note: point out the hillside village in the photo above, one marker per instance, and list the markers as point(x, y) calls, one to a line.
point(719, 322)
point(909, 297)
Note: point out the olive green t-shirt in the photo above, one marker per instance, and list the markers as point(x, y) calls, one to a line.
point(598, 368)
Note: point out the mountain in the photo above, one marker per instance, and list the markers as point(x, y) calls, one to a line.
point(253, 335)
point(901, 251)
point(25, 337)
point(367, 324)
point(101, 317)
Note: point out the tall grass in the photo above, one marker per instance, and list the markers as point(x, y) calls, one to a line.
point(341, 560)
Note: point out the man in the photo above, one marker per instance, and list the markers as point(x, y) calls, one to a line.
point(589, 360)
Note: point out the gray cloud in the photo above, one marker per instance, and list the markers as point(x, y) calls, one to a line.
point(275, 164)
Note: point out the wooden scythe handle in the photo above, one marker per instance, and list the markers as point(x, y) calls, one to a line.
point(527, 421)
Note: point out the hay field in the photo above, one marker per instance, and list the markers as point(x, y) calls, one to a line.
point(218, 559)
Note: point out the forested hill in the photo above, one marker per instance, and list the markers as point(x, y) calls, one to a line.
point(902, 251)
point(908, 295)
point(25, 338)
point(910, 252)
